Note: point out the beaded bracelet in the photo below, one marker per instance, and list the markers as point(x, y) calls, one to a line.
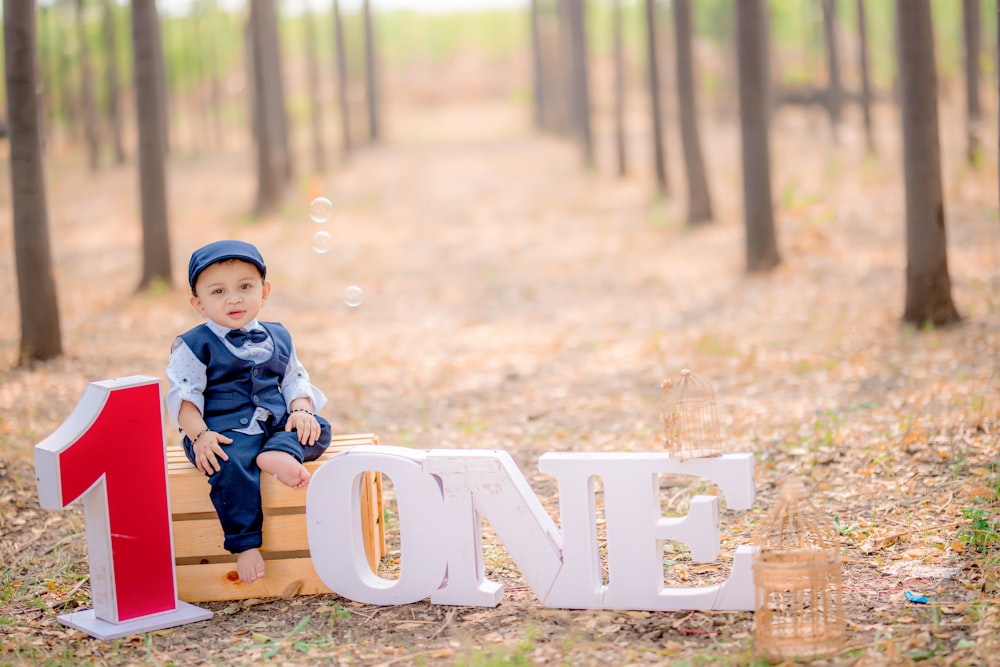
point(203, 432)
point(304, 410)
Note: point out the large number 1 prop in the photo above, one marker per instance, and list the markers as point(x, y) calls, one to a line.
point(109, 453)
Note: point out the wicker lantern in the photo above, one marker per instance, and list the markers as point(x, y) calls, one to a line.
point(799, 611)
point(690, 421)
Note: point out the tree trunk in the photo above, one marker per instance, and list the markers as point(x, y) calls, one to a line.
point(973, 44)
point(699, 200)
point(267, 124)
point(162, 83)
point(581, 80)
point(315, 99)
point(87, 90)
point(150, 114)
point(265, 52)
point(277, 76)
point(114, 81)
point(36, 287)
point(834, 87)
point(652, 67)
point(371, 76)
point(761, 239)
point(564, 119)
point(71, 113)
point(342, 100)
point(200, 100)
point(215, 84)
point(928, 284)
point(619, 92)
point(537, 80)
point(866, 87)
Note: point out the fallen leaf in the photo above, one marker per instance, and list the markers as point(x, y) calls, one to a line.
point(291, 590)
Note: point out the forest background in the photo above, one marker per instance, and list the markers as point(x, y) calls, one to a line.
point(518, 298)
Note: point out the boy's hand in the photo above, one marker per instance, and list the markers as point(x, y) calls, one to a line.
point(208, 450)
point(306, 426)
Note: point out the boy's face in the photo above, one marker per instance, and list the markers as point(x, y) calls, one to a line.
point(230, 292)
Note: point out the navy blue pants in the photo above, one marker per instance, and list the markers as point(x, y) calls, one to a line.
point(236, 486)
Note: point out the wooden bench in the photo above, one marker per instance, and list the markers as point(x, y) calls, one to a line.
point(206, 571)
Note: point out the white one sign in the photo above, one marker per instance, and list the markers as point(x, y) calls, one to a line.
point(443, 495)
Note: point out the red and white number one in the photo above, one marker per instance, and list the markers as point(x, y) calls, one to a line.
point(110, 454)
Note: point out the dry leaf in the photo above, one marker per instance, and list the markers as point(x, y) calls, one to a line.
point(291, 590)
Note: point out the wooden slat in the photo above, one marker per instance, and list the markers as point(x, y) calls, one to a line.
point(201, 538)
point(219, 581)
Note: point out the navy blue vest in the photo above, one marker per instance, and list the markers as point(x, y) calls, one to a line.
point(236, 387)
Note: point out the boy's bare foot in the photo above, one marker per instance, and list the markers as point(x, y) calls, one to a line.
point(250, 565)
point(285, 467)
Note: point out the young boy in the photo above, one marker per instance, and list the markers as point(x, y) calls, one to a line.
point(240, 396)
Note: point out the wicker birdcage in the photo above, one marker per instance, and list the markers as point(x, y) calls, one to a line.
point(690, 421)
point(799, 610)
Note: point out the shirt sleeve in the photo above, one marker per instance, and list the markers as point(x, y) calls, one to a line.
point(296, 384)
point(187, 377)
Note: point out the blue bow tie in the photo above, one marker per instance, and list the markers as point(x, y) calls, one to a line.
point(238, 337)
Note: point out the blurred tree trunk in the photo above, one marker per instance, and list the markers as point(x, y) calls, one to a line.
point(278, 76)
point(313, 85)
point(761, 238)
point(619, 92)
point(580, 80)
point(150, 115)
point(866, 86)
point(537, 76)
point(928, 284)
point(973, 45)
point(834, 87)
point(563, 119)
point(160, 78)
point(371, 75)
point(196, 39)
point(652, 68)
point(71, 104)
point(267, 56)
point(217, 97)
point(215, 86)
point(342, 82)
point(36, 287)
point(267, 108)
point(87, 89)
point(114, 81)
point(699, 200)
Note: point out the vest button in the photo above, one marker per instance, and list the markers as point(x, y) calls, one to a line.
point(244, 421)
point(256, 398)
point(256, 372)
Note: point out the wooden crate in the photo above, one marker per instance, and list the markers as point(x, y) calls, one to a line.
point(206, 571)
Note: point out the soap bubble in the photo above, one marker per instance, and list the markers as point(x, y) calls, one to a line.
point(320, 209)
point(322, 242)
point(353, 296)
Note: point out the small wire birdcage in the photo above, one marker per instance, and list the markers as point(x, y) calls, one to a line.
point(799, 610)
point(690, 421)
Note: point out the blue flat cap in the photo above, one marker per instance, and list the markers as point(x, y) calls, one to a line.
point(207, 255)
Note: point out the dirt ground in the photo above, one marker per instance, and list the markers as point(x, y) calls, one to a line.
point(515, 300)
